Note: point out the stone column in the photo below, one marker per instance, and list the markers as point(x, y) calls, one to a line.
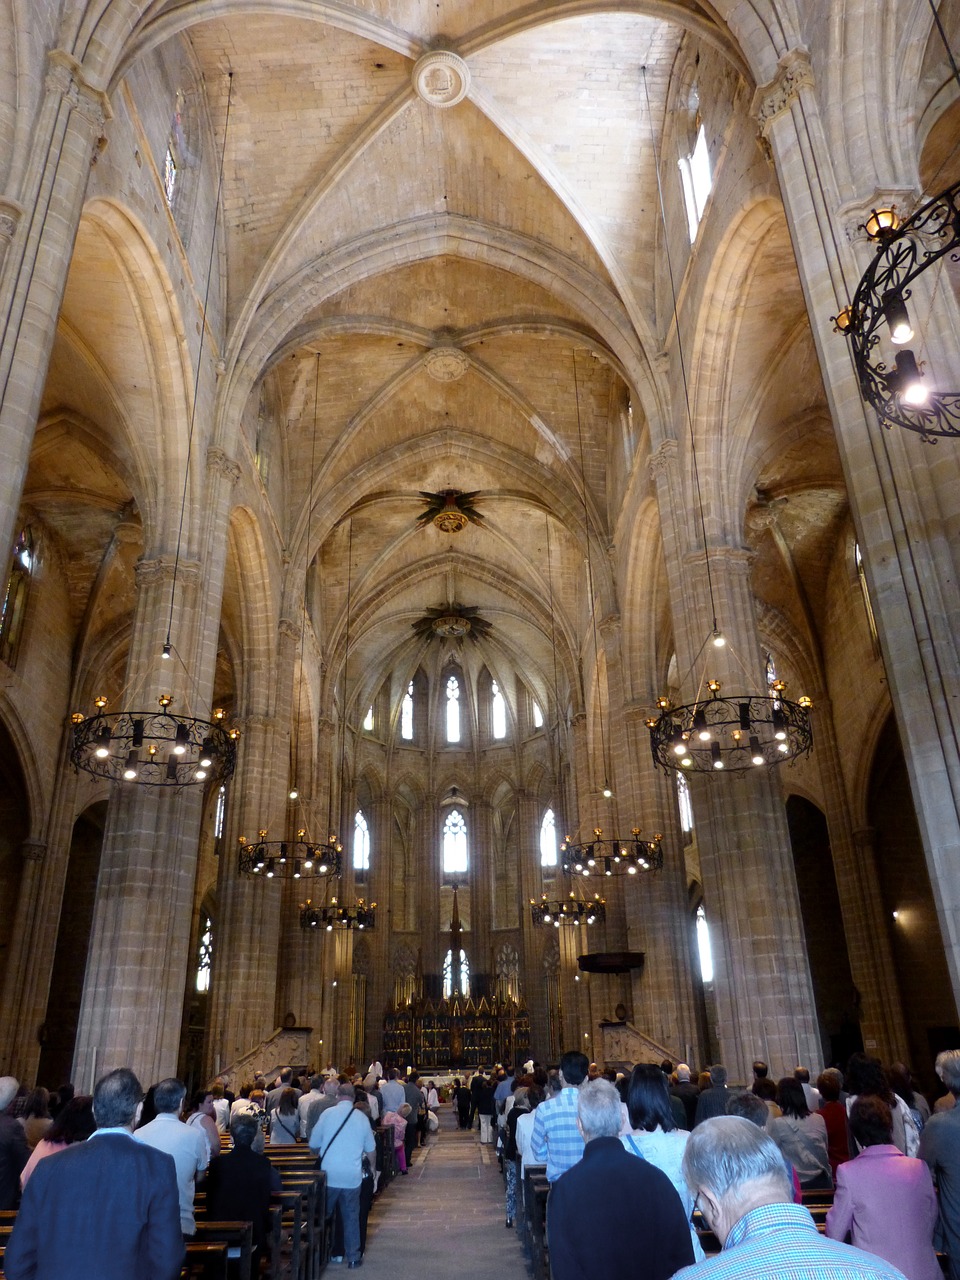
point(244, 973)
point(132, 1004)
point(904, 503)
point(39, 246)
point(658, 919)
point(32, 948)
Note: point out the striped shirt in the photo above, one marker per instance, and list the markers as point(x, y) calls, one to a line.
point(781, 1242)
point(556, 1140)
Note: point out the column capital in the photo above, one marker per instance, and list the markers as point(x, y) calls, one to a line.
point(287, 628)
point(794, 72)
point(10, 214)
point(33, 850)
point(65, 76)
point(663, 458)
point(223, 465)
point(159, 570)
point(610, 627)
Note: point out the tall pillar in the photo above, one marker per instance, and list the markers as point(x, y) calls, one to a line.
point(658, 919)
point(69, 128)
point(903, 501)
point(244, 978)
point(32, 948)
point(132, 1005)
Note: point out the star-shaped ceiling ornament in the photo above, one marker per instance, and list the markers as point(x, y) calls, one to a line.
point(452, 622)
point(450, 510)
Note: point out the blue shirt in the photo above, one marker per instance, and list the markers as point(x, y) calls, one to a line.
point(556, 1139)
point(781, 1242)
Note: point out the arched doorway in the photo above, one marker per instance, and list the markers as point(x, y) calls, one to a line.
point(59, 1031)
point(834, 992)
point(910, 911)
point(14, 829)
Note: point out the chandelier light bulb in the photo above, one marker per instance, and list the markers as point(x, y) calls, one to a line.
point(294, 793)
point(719, 639)
point(715, 755)
point(756, 751)
point(607, 793)
point(897, 317)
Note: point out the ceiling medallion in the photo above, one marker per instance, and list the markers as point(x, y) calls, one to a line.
point(450, 510)
point(452, 621)
point(446, 363)
point(441, 78)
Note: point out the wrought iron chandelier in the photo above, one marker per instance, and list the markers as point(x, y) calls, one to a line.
point(902, 396)
point(338, 915)
point(153, 748)
point(572, 911)
point(290, 859)
point(612, 857)
point(734, 733)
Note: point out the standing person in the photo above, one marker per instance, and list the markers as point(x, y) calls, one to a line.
point(74, 1123)
point(275, 1094)
point(284, 1121)
point(866, 1077)
point(486, 1108)
point(104, 1209)
point(341, 1137)
point(14, 1151)
point(185, 1143)
point(687, 1092)
point(610, 1215)
point(834, 1114)
point(477, 1082)
point(305, 1106)
point(416, 1125)
point(940, 1148)
point(714, 1098)
point(737, 1177)
point(203, 1116)
point(885, 1201)
point(240, 1186)
point(556, 1140)
point(397, 1121)
point(391, 1093)
point(461, 1102)
point(655, 1136)
point(801, 1136)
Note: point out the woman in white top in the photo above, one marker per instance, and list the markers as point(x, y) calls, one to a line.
point(866, 1076)
point(654, 1135)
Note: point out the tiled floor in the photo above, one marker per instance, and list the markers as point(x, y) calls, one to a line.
point(446, 1218)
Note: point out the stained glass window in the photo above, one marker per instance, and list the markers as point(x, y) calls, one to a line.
point(204, 954)
point(406, 714)
point(548, 840)
point(537, 716)
point(454, 843)
point(498, 711)
point(448, 974)
point(453, 709)
point(361, 842)
point(703, 943)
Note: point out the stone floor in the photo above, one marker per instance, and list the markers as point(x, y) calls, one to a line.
point(446, 1218)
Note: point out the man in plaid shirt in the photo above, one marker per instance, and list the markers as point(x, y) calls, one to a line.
point(737, 1174)
point(556, 1139)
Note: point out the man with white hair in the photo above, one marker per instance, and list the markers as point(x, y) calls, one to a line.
point(613, 1215)
point(940, 1148)
point(687, 1092)
point(737, 1174)
point(14, 1152)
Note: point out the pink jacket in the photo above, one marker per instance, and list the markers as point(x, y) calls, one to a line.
point(887, 1203)
point(399, 1126)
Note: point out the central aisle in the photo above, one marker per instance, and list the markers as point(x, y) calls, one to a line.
point(446, 1218)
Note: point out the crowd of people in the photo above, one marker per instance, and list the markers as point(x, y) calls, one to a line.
point(640, 1165)
point(118, 1201)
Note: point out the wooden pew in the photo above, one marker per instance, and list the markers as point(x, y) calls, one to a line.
point(237, 1236)
point(206, 1260)
point(535, 1193)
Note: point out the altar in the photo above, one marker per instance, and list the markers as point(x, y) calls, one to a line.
point(456, 1032)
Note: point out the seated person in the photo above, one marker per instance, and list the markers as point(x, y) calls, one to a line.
point(240, 1184)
